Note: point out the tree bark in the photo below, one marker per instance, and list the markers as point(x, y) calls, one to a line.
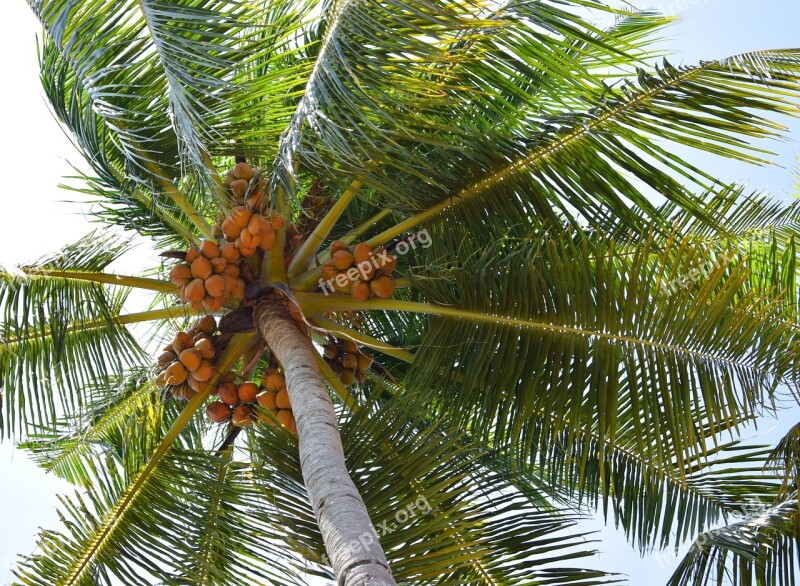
point(350, 538)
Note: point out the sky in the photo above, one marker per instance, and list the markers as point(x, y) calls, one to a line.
point(36, 217)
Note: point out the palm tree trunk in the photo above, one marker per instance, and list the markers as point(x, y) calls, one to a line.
point(350, 538)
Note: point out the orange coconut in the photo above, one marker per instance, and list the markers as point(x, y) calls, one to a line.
point(218, 412)
point(180, 274)
point(248, 392)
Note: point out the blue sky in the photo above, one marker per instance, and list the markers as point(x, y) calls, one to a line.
point(39, 151)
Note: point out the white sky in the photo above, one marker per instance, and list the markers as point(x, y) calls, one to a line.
point(35, 219)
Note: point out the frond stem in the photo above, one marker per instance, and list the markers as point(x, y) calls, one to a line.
point(311, 245)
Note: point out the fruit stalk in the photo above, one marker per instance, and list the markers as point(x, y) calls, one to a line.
point(350, 539)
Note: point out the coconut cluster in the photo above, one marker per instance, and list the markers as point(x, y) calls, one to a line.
point(361, 271)
point(236, 402)
point(347, 360)
point(209, 276)
point(249, 230)
point(275, 398)
point(186, 363)
point(246, 186)
point(246, 225)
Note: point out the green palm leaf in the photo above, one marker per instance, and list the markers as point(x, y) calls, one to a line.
point(122, 423)
point(155, 537)
point(537, 176)
point(177, 58)
point(435, 524)
point(46, 357)
point(416, 63)
point(761, 549)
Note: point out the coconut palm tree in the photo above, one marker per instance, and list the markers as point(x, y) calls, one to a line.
point(580, 318)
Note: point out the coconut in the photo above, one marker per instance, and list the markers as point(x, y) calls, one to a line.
point(342, 260)
point(229, 252)
point(201, 268)
point(257, 224)
point(204, 371)
point(382, 286)
point(165, 358)
point(243, 171)
point(243, 415)
point(274, 381)
point(198, 386)
point(209, 249)
point(282, 399)
point(192, 254)
point(360, 290)
point(362, 253)
point(255, 199)
point(248, 240)
point(328, 270)
point(267, 239)
point(331, 351)
point(175, 374)
point(230, 285)
point(349, 360)
point(286, 418)
point(240, 216)
point(244, 251)
point(194, 291)
point(239, 188)
point(180, 274)
point(267, 399)
point(386, 266)
point(218, 265)
point(206, 324)
point(181, 342)
point(215, 285)
point(212, 304)
point(364, 361)
point(191, 359)
point(228, 393)
point(343, 289)
point(347, 377)
point(218, 412)
point(206, 348)
point(338, 245)
point(230, 229)
point(248, 392)
point(240, 291)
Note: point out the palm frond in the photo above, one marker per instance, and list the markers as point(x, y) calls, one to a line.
point(760, 549)
point(786, 457)
point(46, 360)
point(435, 523)
point(155, 537)
point(386, 98)
point(175, 61)
point(597, 337)
point(123, 422)
point(570, 166)
point(656, 503)
point(125, 195)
